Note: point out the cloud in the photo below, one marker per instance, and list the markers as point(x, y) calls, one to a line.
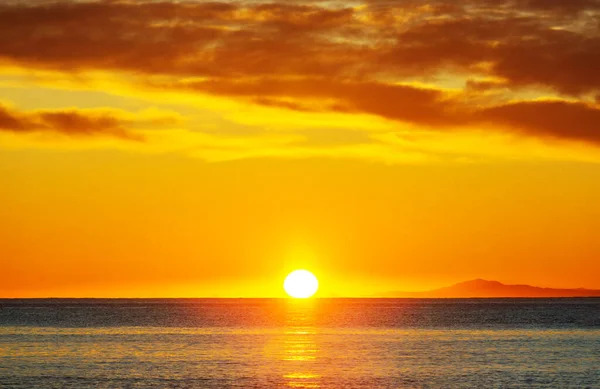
point(66, 122)
point(557, 119)
point(427, 108)
point(554, 44)
point(237, 39)
point(524, 51)
point(331, 56)
point(399, 102)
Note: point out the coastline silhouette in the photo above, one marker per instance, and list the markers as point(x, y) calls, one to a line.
point(494, 289)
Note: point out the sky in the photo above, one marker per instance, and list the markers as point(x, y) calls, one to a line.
point(207, 149)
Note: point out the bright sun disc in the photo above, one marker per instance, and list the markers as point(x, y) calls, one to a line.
point(301, 284)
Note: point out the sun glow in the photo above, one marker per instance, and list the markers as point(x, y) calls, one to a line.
point(301, 284)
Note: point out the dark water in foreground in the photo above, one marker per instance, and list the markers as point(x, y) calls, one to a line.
point(329, 343)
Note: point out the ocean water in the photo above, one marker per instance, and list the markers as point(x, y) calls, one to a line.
point(320, 343)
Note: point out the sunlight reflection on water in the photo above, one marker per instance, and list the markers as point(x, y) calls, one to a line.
point(301, 344)
point(300, 348)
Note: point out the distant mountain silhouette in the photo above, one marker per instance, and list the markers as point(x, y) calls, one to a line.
point(484, 288)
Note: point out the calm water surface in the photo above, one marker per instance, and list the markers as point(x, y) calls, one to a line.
point(328, 343)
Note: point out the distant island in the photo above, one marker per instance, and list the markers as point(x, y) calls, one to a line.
point(489, 289)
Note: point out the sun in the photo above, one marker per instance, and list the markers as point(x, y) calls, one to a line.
point(301, 284)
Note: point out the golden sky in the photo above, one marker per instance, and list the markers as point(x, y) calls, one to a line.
point(190, 148)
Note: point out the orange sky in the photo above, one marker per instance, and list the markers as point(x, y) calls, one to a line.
point(168, 149)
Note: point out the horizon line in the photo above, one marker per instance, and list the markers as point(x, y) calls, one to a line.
point(300, 299)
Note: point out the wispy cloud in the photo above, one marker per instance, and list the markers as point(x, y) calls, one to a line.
point(71, 122)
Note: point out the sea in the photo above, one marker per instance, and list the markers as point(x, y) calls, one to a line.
point(286, 343)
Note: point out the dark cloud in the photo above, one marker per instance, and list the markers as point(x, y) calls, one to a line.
point(66, 122)
point(521, 50)
point(557, 119)
point(406, 103)
point(354, 59)
point(196, 39)
point(563, 60)
point(426, 107)
point(10, 122)
point(558, 5)
point(527, 42)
